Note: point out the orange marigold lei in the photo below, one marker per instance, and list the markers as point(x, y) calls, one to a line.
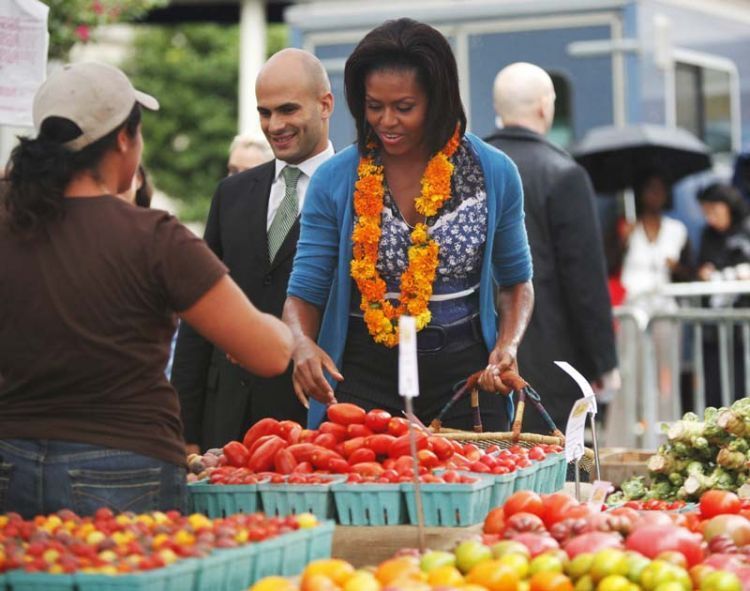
point(381, 317)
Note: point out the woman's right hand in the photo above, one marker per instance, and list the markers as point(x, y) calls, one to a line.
point(308, 377)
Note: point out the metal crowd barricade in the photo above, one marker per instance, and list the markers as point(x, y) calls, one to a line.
point(638, 405)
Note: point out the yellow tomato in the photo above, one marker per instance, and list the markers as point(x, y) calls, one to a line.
point(445, 576)
point(493, 575)
point(273, 584)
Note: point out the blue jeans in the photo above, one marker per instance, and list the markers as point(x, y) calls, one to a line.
point(40, 476)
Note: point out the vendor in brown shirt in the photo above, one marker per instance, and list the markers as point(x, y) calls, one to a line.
point(89, 287)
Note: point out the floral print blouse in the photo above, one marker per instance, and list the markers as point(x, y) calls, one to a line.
point(460, 229)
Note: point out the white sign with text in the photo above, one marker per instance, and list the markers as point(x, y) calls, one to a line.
point(408, 373)
point(23, 58)
point(575, 429)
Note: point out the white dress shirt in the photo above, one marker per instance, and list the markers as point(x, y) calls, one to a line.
point(278, 188)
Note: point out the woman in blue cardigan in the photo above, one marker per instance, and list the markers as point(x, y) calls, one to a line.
point(417, 218)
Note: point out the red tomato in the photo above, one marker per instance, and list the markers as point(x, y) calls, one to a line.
point(267, 426)
point(404, 465)
point(284, 462)
point(472, 452)
point(236, 453)
point(537, 453)
point(351, 445)
point(480, 467)
point(339, 466)
point(327, 440)
point(719, 502)
point(357, 430)
point(262, 458)
point(338, 431)
point(302, 452)
point(524, 501)
point(322, 459)
point(652, 540)
point(402, 447)
point(494, 523)
point(303, 468)
point(592, 542)
point(555, 507)
point(427, 458)
point(345, 413)
point(368, 469)
point(286, 426)
point(442, 447)
point(398, 426)
point(380, 443)
point(377, 420)
point(361, 455)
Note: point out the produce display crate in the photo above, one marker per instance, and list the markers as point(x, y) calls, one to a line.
point(451, 505)
point(180, 576)
point(320, 541)
point(502, 487)
point(369, 504)
point(526, 478)
point(221, 500)
point(294, 552)
point(19, 580)
point(269, 558)
point(282, 499)
point(212, 572)
point(619, 464)
point(240, 563)
point(552, 471)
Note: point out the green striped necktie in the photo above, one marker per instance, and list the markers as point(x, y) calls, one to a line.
point(287, 212)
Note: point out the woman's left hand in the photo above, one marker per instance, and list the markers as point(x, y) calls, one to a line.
point(500, 361)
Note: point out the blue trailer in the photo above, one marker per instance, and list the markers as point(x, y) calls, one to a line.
point(668, 62)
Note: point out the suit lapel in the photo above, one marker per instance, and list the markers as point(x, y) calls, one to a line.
point(288, 247)
point(258, 195)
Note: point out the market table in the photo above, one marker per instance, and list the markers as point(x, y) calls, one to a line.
point(363, 546)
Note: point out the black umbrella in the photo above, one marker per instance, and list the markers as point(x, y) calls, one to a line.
point(614, 156)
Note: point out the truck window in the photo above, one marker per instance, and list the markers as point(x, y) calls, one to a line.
point(562, 125)
point(704, 105)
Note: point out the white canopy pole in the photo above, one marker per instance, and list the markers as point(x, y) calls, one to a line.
point(252, 57)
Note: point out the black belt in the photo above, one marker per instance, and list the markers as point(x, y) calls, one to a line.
point(434, 337)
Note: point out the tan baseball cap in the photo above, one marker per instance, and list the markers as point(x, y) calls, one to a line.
point(96, 97)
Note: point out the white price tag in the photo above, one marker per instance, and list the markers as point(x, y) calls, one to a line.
point(408, 374)
point(583, 383)
point(599, 491)
point(575, 429)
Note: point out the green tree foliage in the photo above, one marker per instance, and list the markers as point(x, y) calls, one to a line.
point(73, 21)
point(193, 71)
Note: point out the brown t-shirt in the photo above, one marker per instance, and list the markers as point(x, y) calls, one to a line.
point(86, 320)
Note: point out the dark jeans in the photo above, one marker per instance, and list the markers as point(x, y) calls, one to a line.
point(38, 477)
point(371, 377)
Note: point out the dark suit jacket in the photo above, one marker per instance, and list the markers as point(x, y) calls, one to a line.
point(572, 319)
point(219, 399)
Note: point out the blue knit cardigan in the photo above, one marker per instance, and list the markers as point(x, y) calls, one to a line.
point(321, 266)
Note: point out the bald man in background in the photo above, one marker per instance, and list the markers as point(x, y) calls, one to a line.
point(253, 226)
point(247, 152)
point(572, 319)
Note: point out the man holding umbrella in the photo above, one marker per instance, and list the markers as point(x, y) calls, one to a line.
point(572, 318)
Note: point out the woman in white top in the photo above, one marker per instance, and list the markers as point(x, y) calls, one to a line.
point(657, 252)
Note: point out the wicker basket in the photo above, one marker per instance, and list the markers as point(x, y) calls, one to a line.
point(507, 438)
